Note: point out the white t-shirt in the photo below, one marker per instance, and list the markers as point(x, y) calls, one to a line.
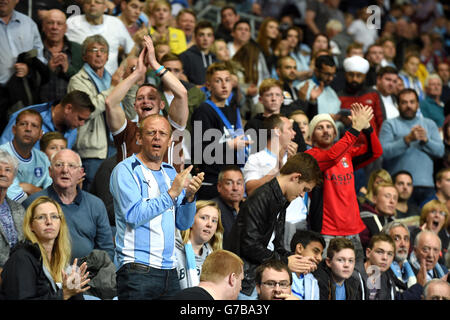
point(112, 29)
point(362, 34)
point(259, 164)
point(390, 107)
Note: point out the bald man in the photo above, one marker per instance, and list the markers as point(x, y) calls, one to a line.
point(62, 56)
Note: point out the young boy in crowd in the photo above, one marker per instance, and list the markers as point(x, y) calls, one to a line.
point(308, 244)
point(382, 285)
point(334, 274)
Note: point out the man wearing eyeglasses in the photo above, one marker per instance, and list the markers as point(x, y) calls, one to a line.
point(85, 213)
point(318, 90)
point(94, 143)
point(427, 247)
point(273, 281)
point(95, 21)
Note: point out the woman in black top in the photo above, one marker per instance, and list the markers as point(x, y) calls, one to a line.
point(35, 268)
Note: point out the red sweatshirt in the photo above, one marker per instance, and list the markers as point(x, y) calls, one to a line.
point(340, 207)
point(368, 97)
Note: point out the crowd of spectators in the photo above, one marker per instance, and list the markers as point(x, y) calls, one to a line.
point(149, 153)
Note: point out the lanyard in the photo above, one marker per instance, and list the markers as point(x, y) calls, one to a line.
point(224, 118)
point(242, 155)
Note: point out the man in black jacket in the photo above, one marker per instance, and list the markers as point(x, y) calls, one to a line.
point(258, 232)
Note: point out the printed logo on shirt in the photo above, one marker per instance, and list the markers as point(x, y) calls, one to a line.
point(147, 183)
point(38, 172)
point(341, 179)
point(226, 135)
point(287, 98)
point(182, 273)
point(344, 162)
point(368, 101)
point(287, 95)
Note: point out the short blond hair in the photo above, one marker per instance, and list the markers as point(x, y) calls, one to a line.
point(219, 265)
point(267, 84)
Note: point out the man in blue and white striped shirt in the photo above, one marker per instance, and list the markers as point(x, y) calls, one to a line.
point(150, 202)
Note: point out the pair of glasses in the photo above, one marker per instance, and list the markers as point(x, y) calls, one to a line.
point(442, 213)
point(272, 284)
point(60, 165)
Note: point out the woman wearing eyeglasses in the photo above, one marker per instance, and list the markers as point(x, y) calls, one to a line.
point(35, 268)
point(434, 217)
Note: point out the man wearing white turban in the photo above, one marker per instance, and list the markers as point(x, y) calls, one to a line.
point(356, 68)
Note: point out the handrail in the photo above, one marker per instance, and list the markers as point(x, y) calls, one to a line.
point(252, 19)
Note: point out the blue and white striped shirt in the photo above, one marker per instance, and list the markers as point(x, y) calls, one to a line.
point(146, 215)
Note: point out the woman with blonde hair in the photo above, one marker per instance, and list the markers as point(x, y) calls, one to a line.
point(35, 269)
point(196, 243)
point(433, 217)
point(376, 178)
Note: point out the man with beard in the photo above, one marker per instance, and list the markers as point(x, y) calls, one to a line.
point(380, 256)
point(400, 267)
point(355, 90)
point(411, 143)
point(228, 17)
point(403, 182)
point(318, 87)
point(333, 210)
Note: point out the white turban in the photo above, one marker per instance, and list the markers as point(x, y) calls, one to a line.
point(356, 64)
